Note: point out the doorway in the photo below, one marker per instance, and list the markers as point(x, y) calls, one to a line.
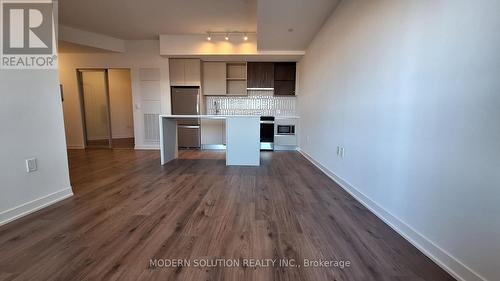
point(107, 113)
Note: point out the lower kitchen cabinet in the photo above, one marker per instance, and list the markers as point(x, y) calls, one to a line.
point(286, 141)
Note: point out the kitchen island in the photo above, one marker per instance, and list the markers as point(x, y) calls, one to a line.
point(242, 133)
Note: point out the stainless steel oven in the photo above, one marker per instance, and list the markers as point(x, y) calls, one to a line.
point(267, 133)
point(285, 130)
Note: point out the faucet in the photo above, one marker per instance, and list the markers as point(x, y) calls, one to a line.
point(217, 107)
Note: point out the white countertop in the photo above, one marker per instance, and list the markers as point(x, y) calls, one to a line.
point(222, 116)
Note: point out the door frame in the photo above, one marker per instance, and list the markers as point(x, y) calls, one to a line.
point(79, 72)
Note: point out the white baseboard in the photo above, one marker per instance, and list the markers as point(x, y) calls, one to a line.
point(441, 257)
point(285, 147)
point(33, 206)
point(147, 147)
point(213, 146)
point(75, 147)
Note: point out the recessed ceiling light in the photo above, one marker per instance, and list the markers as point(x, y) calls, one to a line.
point(290, 30)
point(245, 37)
point(209, 37)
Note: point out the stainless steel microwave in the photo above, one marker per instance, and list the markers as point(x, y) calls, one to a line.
point(285, 130)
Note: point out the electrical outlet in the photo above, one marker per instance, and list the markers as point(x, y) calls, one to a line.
point(340, 151)
point(31, 165)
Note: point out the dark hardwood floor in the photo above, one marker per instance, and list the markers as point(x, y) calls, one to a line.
point(118, 143)
point(128, 209)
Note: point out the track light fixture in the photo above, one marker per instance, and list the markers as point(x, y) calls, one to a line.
point(228, 35)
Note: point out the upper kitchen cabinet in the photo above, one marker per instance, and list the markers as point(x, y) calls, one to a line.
point(185, 72)
point(284, 88)
point(176, 70)
point(284, 71)
point(260, 75)
point(236, 78)
point(214, 78)
point(284, 78)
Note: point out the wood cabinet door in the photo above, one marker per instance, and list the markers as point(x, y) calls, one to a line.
point(176, 70)
point(284, 88)
point(214, 78)
point(192, 72)
point(284, 71)
point(260, 75)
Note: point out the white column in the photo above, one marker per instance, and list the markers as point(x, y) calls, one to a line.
point(168, 139)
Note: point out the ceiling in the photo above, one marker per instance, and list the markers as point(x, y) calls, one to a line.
point(290, 24)
point(134, 20)
point(281, 25)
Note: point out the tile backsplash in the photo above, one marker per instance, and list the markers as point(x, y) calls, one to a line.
point(256, 103)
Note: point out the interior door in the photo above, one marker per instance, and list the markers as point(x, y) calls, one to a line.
point(95, 107)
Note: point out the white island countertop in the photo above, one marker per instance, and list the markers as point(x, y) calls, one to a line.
point(220, 116)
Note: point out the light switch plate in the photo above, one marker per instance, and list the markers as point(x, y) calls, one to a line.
point(31, 165)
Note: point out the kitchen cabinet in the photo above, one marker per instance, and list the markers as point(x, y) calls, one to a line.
point(260, 75)
point(176, 70)
point(284, 88)
point(284, 78)
point(285, 141)
point(192, 72)
point(284, 71)
point(214, 78)
point(185, 72)
point(236, 78)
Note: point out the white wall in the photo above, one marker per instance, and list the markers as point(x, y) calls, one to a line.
point(31, 125)
point(138, 55)
point(90, 39)
point(120, 100)
point(411, 89)
point(199, 45)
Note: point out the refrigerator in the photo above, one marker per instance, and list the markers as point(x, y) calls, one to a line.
point(186, 101)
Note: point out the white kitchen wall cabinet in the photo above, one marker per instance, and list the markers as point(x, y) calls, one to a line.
point(214, 78)
point(185, 72)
